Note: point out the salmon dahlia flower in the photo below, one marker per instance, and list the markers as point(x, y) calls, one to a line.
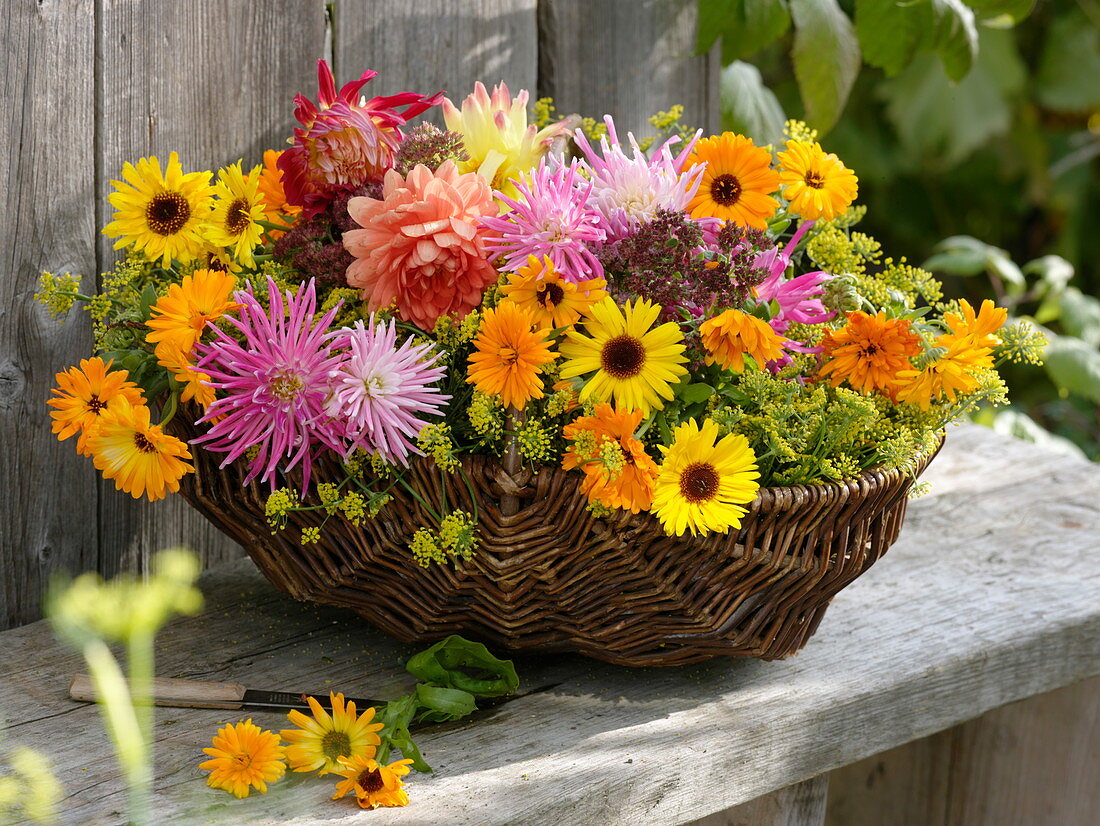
point(500, 143)
point(422, 246)
point(344, 141)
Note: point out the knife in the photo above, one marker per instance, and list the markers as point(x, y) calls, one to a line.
point(202, 694)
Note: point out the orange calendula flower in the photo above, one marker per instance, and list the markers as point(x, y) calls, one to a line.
point(244, 758)
point(733, 334)
point(140, 457)
point(374, 785)
point(815, 184)
point(738, 182)
point(272, 194)
point(509, 355)
point(178, 318)
point(946, 376)
point(869, 351)
point(179, 365)
point(83, 394)
point(321, 740)
point(618, 471)
point(553, 301)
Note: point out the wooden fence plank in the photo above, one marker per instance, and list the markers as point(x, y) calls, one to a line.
point(437, 44)
point(213, 80)
point(46, 147)
point(626, 58)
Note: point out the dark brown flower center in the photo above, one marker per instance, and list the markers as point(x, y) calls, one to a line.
point(370, 781)
point(237, 218)
point(725, 190)
point(335, 744)
point(549, 295)
point(814, 179)
point(96, 404)
point(167, 213)
point(622, 357)
point(870, 350)
point(699, 482)
point(143, 444)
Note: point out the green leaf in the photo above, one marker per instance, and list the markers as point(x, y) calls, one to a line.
point(442, 705)
point(997, 12)
point(745, 26)
point(1069, 65)
point(1080, 316)
point(695, 393)
point(748, 106)
point(888, 33)
point(956, 36)
point(1074, 366)
point(1054, 272)
point(826, 59)
point(459, 663)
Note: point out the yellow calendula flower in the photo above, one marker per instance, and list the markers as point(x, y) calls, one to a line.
point(239, 206)
point(501, 145)
point(179, 317)
point(244, 758)
point(83, 394)
point(374, 785)
point(321, 740)
point(816, 184)
point(627, 358)
point(703, 486)
point(984, 323)
point(140, 457)
point(952, 371)
point(732, 335)
point(552, 300)
point(162, 214)
point(180, 365)
point(738, 181)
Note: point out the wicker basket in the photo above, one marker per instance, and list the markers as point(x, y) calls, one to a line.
point(551, 577)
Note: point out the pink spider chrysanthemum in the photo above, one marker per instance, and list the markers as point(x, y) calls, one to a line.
point(551, 218)
point(381, 391)
point(272, 386)
point(344, 141)
point(628, 190)
point(798, 297)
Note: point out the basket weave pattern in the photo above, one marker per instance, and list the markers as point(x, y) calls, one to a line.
point(552, 577)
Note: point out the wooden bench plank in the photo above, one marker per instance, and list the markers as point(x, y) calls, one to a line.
point(989, 597)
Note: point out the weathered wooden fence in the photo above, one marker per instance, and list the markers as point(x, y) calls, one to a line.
point(93, 83)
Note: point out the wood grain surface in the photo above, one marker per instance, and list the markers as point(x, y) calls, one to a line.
point(988, 597)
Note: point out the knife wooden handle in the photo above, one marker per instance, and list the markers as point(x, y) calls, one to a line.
point(171, 692)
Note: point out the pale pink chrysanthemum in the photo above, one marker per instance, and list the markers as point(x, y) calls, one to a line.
point(381, 392)
point(551, 218)
point(422, 245)
point(344, 141)
point(627, 190)
point(272, 387)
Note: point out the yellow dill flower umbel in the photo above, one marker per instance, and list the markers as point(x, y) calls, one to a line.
point(374, 785)
point(869, 351)
point(233, 221)
point(509, 355)
point(321, 740)
point(83, 394)
point(702, 485)
point(737, 183)
point(552, 300)
point(161, 214)
point(140, 457)
point(731, 335)
point(244, 758)
point(626, 360)
point(816, 184)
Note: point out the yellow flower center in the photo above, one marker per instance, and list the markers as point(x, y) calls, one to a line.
point(370, 781)
point(237, 218)
point(549, 295)
point(725, 190)
point(167, 212)
point(699, 482)
point(143, 444)
point(285, 386)
point(242, 761)
point(622, 357)
point(336, 744)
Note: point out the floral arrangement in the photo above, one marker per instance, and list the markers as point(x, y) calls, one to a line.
point(677, 322)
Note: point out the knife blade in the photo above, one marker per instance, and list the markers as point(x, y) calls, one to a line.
point(203, 694)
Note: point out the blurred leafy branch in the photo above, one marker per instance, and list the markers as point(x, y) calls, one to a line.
point(957, 121)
